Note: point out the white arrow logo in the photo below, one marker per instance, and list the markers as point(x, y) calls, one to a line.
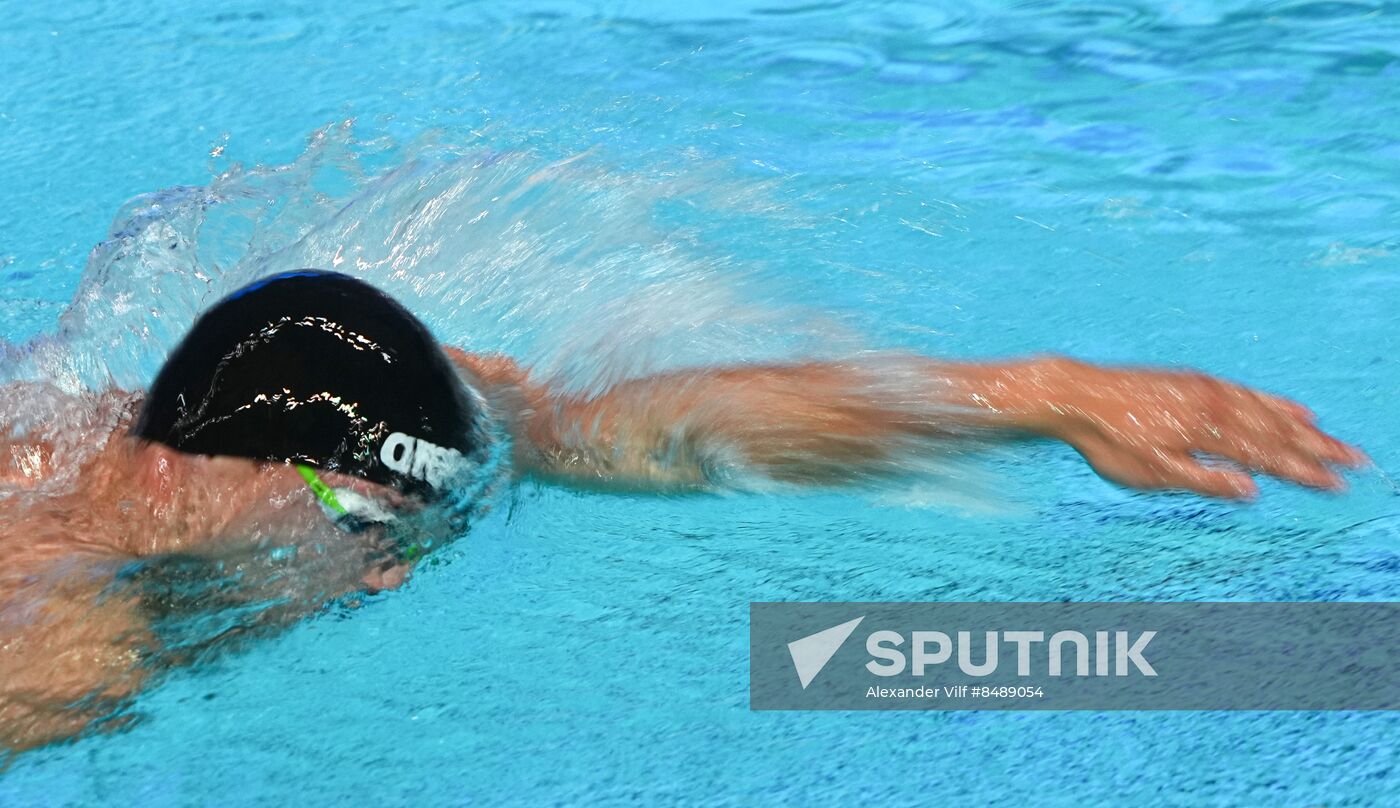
point(811, 653)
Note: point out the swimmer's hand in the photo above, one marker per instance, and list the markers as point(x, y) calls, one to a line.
point(386, 576)
point(1152, 429)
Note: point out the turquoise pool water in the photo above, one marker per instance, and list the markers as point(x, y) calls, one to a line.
point(1193, 183)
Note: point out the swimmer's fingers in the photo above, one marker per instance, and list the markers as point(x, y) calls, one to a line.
point(1281, 444)
point(1285, 407)
point(1286, 421)
point(1326, 448)
point(1284, 462)
point(1161, 470)
point(1186, 473)
point(1290, 407)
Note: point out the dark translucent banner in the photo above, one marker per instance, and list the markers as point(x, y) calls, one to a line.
point(1074, 656)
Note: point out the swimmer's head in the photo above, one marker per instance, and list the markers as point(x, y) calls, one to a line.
point(320, 370)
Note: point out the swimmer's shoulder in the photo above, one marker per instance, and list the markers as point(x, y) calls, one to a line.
point(43, 429)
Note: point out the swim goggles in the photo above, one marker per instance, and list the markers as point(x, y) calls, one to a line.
point(350, 511)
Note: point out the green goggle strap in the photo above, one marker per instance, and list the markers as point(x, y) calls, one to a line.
point(326, 495)
point(322, 491)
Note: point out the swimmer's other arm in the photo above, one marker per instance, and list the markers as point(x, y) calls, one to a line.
point(71, 656)
point(839, 422)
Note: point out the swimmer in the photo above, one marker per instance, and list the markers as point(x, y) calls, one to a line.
point(310, 417)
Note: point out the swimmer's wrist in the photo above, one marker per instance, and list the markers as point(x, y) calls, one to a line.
point(1032, 396)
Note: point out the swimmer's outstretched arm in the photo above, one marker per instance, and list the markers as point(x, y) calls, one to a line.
point(834, 422)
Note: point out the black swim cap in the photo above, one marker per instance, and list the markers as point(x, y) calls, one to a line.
point(317, 368)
